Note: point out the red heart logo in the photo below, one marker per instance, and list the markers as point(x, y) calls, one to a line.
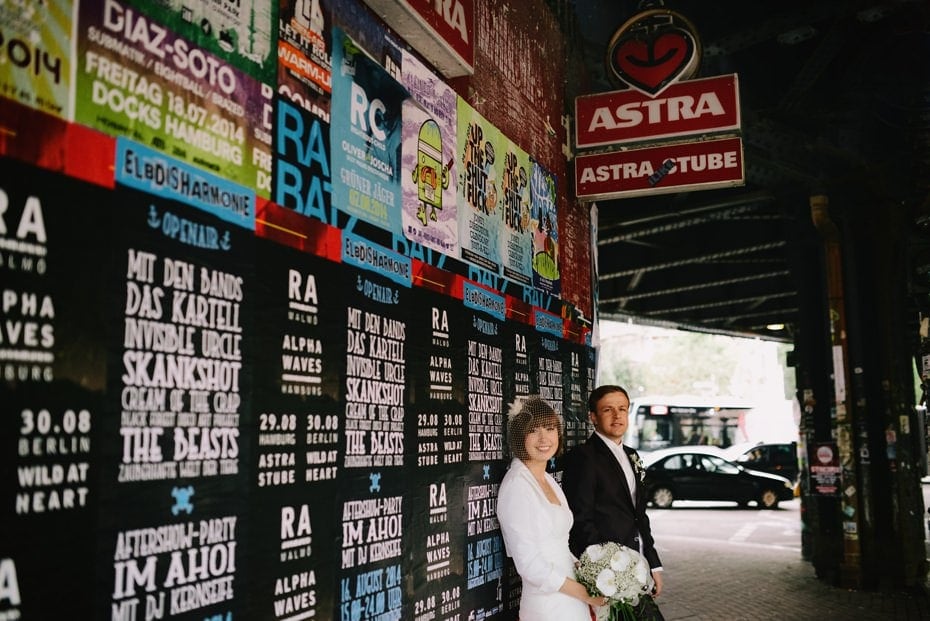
point(650, 63)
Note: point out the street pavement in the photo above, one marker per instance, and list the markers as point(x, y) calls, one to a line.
point(741, 580)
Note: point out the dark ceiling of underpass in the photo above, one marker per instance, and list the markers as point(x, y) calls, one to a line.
point(835, 100)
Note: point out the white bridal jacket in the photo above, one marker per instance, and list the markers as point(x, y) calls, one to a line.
point(536, 537)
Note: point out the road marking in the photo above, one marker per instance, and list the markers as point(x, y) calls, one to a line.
point(743, 533)
point(744, 544)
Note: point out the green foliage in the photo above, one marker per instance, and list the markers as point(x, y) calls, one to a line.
point(656, 361)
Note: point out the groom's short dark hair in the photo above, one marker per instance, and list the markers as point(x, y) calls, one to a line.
point(598, 393)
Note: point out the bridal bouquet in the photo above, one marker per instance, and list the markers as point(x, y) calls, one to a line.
point(622, 575)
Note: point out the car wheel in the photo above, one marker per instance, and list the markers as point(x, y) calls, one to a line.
point(768, 499)
point(662, 497)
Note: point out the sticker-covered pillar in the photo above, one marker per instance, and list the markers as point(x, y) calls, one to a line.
point(851, 565)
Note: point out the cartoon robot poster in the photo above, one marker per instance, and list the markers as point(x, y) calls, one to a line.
point(479, 208)
point(429, 168)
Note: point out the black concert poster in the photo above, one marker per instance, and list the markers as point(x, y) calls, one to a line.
point(513, 590)
point(174, 462)
point(53, 263)
point(436, 543)
point(372, 575)
point(484, 595)
point(484, 353)
point(438, 381)
point(373, 509)
point(550, 368)
point(376, 289)
point(576, 377)
point(296, 401)
point(520, 347)
point(436, 444)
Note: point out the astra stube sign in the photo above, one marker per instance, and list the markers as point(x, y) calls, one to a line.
point(683, 109)
point(660, 169)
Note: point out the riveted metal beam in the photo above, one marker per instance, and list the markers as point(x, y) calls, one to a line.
point(706, 258)
point(722, 303)
point(698, 287)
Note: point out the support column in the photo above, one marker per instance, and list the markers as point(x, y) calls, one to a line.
point(851, 565)
point(892, 499)
point(821, 530)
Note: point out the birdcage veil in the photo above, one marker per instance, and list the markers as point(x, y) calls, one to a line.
point(524, 415)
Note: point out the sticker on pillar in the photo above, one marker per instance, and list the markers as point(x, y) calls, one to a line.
point(825, 469)
point(839, 374)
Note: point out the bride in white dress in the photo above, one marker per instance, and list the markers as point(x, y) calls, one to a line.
point(535, 518)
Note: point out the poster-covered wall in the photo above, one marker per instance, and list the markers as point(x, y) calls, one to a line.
point(201, 419)
point(224, 393)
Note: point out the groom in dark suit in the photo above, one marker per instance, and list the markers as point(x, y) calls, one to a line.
point(602, 481)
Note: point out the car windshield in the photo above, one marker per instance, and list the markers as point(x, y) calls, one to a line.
point(697, 461)
point(718, 465)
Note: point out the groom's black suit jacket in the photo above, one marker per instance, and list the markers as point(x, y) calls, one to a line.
point(600, 500)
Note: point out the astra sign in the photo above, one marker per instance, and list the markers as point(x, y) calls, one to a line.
point(657, 170)
point(683, 109)
point(655, 53)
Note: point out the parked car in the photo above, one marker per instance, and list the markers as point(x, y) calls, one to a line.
point(703, 473)
point(774, 458)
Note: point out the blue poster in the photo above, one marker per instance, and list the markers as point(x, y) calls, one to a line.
point(366, 129)
point(544, 224)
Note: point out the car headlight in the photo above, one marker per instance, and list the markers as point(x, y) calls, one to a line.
point(789, 485)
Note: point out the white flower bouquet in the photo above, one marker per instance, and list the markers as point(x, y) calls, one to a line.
point(620, 574)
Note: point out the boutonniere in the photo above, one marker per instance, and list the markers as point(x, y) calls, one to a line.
point(638, 466)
